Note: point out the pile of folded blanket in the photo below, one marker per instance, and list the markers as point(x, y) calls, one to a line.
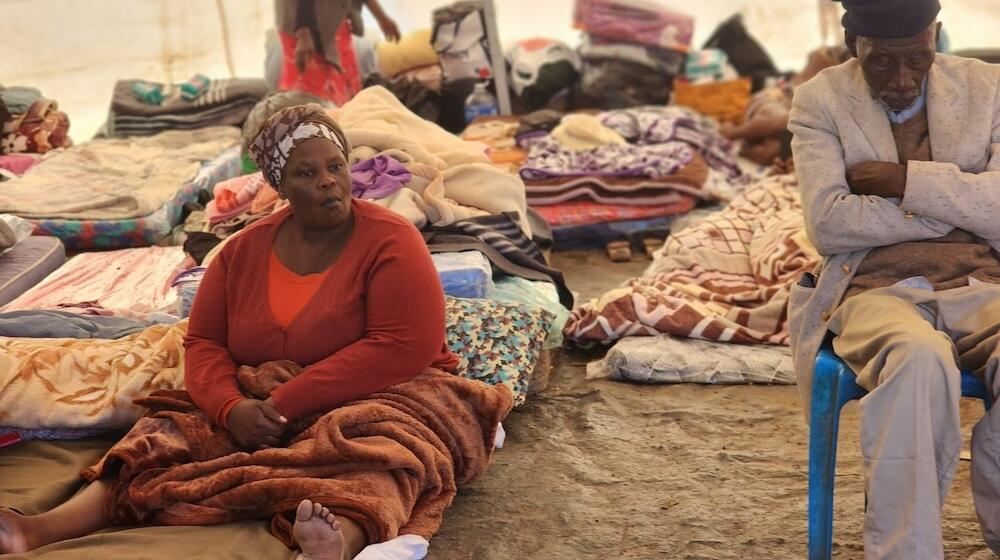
point(225, 102)
point(29, 124)
point(631, 53)
point(598, 177)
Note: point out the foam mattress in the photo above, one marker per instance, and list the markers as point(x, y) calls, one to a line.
point(26, 264)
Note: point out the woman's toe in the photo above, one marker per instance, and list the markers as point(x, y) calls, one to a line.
point(305, 511)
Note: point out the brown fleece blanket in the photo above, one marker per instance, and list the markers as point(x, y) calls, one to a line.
point(391, 462)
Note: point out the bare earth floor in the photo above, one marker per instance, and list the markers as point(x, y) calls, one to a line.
point(600, 469)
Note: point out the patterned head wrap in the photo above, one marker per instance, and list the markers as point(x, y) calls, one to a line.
point(285, 130)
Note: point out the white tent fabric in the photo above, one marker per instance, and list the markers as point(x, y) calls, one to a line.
point(75, 50)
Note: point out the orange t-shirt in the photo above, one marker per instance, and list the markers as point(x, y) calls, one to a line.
point(288, 292)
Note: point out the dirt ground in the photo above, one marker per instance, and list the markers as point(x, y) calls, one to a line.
point(601, 469)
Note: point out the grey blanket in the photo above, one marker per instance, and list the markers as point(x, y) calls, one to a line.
point(60, 324)
point(225, 103)
point(220, 92)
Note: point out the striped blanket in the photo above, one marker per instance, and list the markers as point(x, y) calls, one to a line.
point(725, 279)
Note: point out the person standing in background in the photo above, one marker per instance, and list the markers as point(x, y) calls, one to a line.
point(317, 50)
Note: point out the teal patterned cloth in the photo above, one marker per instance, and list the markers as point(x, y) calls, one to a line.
point(146, 230)
point(534, 293)
point(497, 342)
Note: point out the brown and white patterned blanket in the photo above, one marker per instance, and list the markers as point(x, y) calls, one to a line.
point(725, 279)
point(69, 383)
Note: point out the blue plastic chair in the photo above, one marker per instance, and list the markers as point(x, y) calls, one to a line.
point(833, 386)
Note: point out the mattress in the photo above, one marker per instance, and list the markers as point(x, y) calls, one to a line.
point(667, 359)
point(132, 283)
point(467, 274)
point(28, 263)
point(145, 230)
point(579, 213)
point(596, 236)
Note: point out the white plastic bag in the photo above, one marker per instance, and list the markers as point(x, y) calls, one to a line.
point(13, 230)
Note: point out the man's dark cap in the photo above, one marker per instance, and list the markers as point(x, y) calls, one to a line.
point(889, 19)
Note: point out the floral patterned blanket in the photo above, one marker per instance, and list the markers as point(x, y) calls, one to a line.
point(48, 383)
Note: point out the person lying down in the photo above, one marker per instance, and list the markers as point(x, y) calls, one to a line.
point(764, 129)
point(320, 393)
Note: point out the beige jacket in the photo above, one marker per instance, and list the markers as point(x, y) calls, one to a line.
point(837, 124)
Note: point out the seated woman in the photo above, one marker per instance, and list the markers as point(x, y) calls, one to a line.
point(340, 286)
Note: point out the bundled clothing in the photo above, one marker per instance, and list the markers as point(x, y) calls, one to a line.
point(747, 55)
point(378, 177)
point(617, 75)
point(452, 179)
point(635, 22)
point(631, 52)
point(40, 128)
point(234, 197)
point(541, 69)
point(460, 40)
point(226, 102)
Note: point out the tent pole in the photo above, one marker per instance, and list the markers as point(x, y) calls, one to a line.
point(496, 55)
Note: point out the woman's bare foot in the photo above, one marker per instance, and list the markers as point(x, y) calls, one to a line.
point(13, 533)
point(318, 532)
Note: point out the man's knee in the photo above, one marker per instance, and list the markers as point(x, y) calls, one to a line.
point(922, 356)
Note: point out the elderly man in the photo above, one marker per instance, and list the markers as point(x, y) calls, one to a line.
point(898, 155)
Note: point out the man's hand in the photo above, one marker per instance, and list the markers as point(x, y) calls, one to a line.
point(256, 424)
point(877, 178)
point(304, 48)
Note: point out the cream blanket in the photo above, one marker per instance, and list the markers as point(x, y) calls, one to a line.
point(87, 383)
point(114, 179)
point(452, 179)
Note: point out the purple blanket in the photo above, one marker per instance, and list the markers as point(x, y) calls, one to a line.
point(378, 177)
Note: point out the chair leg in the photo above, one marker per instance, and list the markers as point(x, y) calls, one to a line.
point(823, 427)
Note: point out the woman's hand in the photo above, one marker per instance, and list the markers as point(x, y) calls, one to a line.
point(256, 424)
point(304, 48)
point(389, 28)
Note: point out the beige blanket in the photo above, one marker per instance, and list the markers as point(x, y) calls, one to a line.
point(725, 279)
point(453, 179)
point(114, 179)
point(86, 383)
